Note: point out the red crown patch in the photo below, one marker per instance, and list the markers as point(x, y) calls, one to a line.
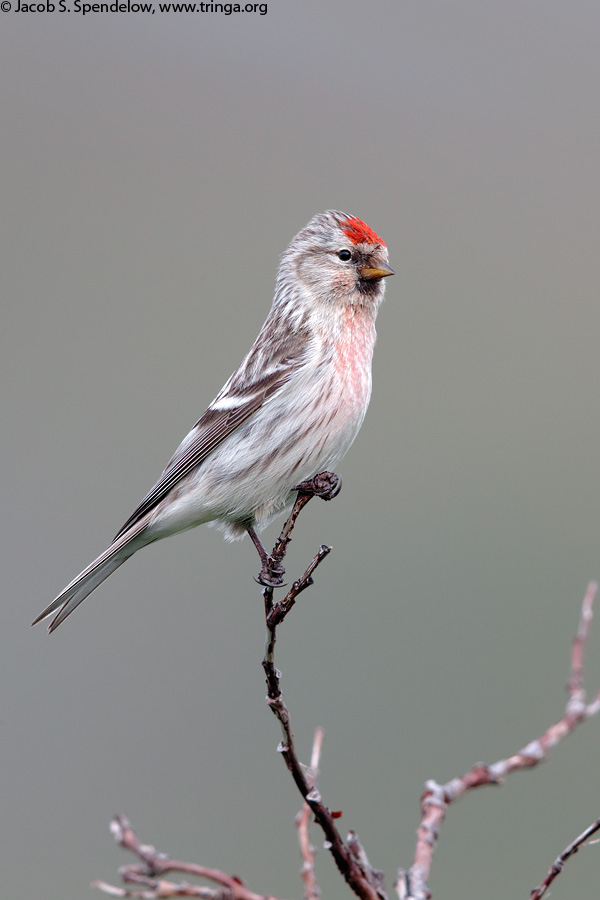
point(359, 233)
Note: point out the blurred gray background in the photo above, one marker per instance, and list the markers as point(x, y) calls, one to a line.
point(153, 169)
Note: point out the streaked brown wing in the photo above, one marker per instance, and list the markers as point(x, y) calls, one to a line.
point(213, 427)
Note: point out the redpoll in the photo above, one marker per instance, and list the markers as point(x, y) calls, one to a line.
point(291, 410)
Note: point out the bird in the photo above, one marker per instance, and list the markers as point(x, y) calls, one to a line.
point(290, 410)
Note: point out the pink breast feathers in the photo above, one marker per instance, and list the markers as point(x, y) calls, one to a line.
point(354, 352)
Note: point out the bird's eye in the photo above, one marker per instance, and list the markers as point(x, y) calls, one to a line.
point(344, 255)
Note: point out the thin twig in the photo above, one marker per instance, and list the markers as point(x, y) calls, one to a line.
point(374, 876)
point(558, 864)
point(279, 611)
point(307, 851)
point(575, 686)
point(412, 884)
point(155, 864)
point(325, 486)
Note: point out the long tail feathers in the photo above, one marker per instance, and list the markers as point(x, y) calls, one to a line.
point(88, 580)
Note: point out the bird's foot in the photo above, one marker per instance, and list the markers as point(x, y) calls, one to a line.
point(271, 574)
point(326, 485)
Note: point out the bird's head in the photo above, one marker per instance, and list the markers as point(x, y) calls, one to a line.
point(337, 259)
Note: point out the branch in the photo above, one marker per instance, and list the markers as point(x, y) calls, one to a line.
point(356, 875)
point(351, 859)
point(307, 851)
point(155, 864)
point(559, 862)
point(350, 856)
point(436, 799)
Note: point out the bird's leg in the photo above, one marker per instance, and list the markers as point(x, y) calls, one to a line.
point(272, 572)
point(326, 485)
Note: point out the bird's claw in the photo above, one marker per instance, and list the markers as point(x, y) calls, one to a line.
point(326, 485)
point(271, 574)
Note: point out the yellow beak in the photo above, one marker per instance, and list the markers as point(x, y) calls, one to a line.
point(382, 270)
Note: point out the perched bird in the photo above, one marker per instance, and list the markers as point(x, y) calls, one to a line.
point(290, 410)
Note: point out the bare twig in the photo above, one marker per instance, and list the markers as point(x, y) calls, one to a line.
point(307, 851)
point(558, 864)
point(325, 486)
point(154, 865)
point(279, 611)
point(374, 876)
point(576, 701)
point(412, 884)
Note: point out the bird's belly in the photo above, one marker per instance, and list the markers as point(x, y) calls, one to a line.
point(251, 476)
